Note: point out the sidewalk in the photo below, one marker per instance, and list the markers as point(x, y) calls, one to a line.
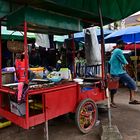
point(126, 116)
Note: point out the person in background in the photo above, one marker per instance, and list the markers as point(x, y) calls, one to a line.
point(77, 63)
point(80, 64)
point(117, 70)
point(34, 57)
point(69, 58)
point(59, 62)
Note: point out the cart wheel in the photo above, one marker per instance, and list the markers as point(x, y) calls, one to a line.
point(86, 115)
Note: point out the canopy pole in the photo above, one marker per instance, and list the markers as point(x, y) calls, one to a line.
point(46, 133)
point(135, 62)
point(46, 129)
point(103, 62)
point(0, 57)
point(102, 39)
point(73, 56)
point(26, 52)
point(0, 65)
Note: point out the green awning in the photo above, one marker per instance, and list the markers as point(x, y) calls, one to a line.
point(43, 21)
point(60, 38)
point(15, 35)
point(86, 10)
point(73, 14)
point(112, 10)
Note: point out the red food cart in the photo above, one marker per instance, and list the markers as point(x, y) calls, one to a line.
point(55, 99)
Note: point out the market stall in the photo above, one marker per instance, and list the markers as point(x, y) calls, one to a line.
point(59, 17)
point(47, 98)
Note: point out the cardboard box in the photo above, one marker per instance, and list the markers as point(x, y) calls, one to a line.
point(7, 77)
point(17, 109)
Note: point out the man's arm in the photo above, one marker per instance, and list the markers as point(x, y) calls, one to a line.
point(122, 58)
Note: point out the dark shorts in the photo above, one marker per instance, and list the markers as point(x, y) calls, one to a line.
point(127, 80)
point(113, 91)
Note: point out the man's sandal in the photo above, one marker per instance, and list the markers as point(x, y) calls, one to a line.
point(113, 105)
point(134, 102)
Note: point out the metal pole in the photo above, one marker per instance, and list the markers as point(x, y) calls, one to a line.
point(73, 55)
point(26, 52)
point(135, 62)
point(103, 61)
point(0, 57)
point(109, 109)
point(0, 66)
point(46, 133)
point(102, 39)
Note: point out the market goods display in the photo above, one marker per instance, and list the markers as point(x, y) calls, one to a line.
point(15, 46)
point(54, 76)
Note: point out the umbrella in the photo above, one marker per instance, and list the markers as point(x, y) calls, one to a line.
point(80, 35)
point(128, 35)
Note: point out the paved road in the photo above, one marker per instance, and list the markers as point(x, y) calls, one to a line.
point(126, 117)
point(59, 129)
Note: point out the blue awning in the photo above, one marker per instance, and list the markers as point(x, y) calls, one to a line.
point(80, 35)
point(128, 35)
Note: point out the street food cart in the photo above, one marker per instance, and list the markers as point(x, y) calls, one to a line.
point(67, 96)
point(54, 99)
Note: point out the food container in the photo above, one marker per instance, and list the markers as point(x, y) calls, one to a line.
point(7, 77)
point(38, 72)
point(87, 88)
point(55, 79)
point(78, 80)
point(65, 73)
point(54, 76)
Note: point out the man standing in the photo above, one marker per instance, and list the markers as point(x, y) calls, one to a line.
point(117, 70)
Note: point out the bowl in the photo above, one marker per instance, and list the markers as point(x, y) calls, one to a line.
point(54, 76)
point(55, 79)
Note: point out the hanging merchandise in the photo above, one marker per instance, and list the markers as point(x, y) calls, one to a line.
point(92, 49)
point(15, 46)
point(42, 40)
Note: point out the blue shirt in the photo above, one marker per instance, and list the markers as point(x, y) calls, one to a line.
point(117, 61)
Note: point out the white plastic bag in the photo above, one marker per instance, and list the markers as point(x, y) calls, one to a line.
point(92, 48)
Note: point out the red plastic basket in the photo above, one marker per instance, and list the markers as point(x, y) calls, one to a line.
point(113, 83)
